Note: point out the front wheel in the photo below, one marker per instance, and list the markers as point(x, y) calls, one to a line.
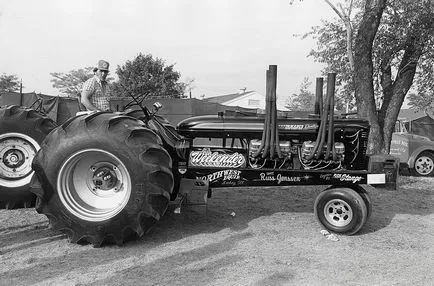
point(423, 165)
point(341, 210)
point(104, 177)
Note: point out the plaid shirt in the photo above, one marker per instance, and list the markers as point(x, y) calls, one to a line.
point(100, 93)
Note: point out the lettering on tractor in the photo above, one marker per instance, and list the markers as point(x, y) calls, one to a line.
point(278, 178)
point(224, 175)
point(216, 158)
point(101, 176)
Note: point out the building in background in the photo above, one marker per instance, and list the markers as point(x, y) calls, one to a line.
point(245, 99)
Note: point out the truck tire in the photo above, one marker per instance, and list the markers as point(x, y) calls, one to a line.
point(21, 132)
point(104, 176)
point(423, 165)
point(341, 210)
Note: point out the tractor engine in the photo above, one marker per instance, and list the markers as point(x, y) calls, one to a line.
point(283, 162)
point(319, 161)
point(296, 156)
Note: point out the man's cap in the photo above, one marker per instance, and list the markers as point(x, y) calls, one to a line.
point(103, 65)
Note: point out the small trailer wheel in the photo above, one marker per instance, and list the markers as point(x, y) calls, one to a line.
point(341, 210)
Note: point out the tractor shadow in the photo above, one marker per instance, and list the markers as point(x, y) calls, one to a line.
point(235, 208)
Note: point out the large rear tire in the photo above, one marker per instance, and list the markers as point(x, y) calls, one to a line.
point(21, 132)
point(104, 176)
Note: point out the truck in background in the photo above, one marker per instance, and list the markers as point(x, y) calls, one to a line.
point(415, 151)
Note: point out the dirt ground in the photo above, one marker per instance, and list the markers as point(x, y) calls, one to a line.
point(272, 239)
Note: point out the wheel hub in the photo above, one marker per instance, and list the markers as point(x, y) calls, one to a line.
point(338, 213)
point(16, 152)
point(94, 185)
point(104, 178)
point(13, 158)
point(424, 165)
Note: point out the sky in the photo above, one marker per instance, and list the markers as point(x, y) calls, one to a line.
point(224, 45)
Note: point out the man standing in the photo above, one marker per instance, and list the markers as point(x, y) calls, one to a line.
point(95, 94)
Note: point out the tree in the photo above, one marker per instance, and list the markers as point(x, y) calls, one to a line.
point(422, 96)
point(148, 77)
point(9, 83)
point(335, 42)
point(304, 100)
point(71, 83)
point(391, 56)
point(391, 50)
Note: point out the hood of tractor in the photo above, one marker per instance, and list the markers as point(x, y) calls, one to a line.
point(214, 125)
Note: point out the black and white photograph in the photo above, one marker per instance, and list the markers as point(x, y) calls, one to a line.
point(216, 142)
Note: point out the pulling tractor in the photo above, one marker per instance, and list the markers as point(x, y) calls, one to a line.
point(102, 176)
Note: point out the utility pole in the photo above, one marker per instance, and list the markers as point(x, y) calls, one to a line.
point(21, 92)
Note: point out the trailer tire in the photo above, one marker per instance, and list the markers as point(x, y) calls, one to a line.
point(22, 130)
point(105, 176)
point(341, 210)
point(423, 165)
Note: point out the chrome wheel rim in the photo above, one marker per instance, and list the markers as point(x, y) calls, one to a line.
point(338, 213)
point(94, 185)
point(17, 151)
point(424, 165)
